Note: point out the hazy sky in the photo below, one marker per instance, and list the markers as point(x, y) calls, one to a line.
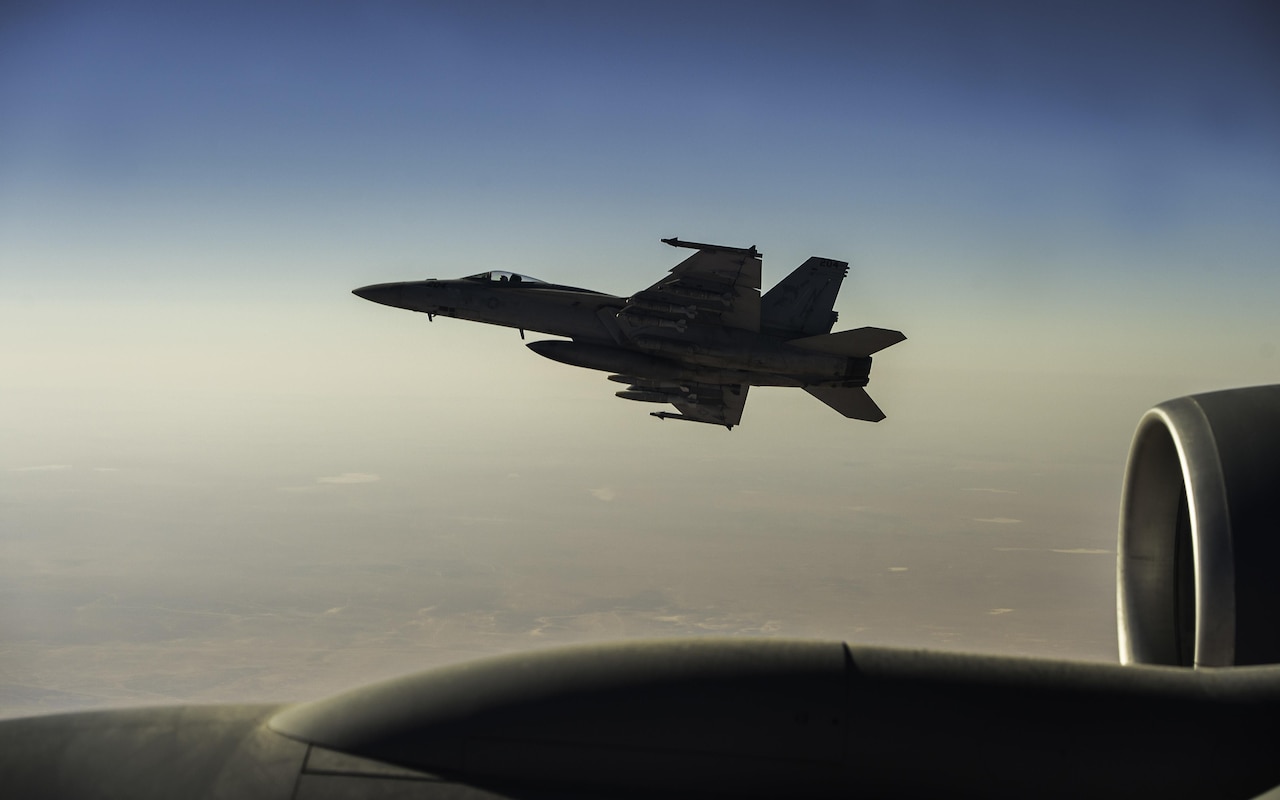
point(223, 477)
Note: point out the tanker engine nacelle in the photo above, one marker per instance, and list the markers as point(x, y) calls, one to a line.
point(1199, 544)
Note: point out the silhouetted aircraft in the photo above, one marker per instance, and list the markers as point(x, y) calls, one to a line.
point(698, 339)
point(1185, 716)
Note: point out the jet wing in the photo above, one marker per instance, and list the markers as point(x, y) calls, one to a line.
point(715, 405)
point(717, 286)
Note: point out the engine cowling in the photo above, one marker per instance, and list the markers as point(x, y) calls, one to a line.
point(1199, 543)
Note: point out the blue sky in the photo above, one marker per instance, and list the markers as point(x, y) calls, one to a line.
point(1072, 154)
point(1068, 207)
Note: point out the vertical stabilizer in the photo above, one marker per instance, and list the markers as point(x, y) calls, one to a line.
point(801, 303)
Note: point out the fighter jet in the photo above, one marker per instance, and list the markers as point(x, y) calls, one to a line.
point(697, 339)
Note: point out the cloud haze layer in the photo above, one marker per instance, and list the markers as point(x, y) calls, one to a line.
point(222, 477)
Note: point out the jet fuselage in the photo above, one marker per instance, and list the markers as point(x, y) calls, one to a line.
point(717, 355)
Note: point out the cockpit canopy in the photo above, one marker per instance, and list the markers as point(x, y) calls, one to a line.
point(502, 276)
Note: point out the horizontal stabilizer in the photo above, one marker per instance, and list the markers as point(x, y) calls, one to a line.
point(853, 402)
point(858, 342)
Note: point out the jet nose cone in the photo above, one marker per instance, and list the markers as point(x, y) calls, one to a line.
point(388, 294)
